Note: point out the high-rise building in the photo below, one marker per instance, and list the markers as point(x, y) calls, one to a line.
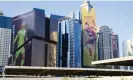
point(127, 47)
point(47, 37)
point(89, 34)
point(5, 44)
point(108, 44)
point(26, 26)
point(115, 45)
point(52, 49)
point(62, 44)
point(69, 42)
point(5, 39)
point(115, 48)
point(105, 43)
point(74, 40)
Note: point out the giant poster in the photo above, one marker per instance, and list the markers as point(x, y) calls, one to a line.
point(89, 35)
point(23, 30)
point(115, 46)
point(25, 26)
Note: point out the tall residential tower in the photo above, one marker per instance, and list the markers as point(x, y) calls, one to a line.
point(108, 44)
point(5, 39)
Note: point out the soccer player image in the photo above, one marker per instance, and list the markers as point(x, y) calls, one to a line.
point(90, 31)
point(20, 39)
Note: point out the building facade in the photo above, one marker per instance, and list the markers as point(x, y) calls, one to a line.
point(108, 44)
point(52, 49)
point(69, 42)
point(105, 43)
point(62, 58)
point(127, 51)
point(5, 39)
point(5, 44)
point(74, 40)
point(89, 35)
point(115, 46)
point(25, 27)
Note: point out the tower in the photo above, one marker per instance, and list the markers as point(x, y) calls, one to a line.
point(89, 34)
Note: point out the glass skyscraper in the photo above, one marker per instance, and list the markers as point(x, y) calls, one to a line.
point(62, 44)
point(69, 42)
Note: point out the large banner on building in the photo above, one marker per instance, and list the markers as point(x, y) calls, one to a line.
point(115, 46)
point(23, 30)
point(89, 35)
point(25, 26)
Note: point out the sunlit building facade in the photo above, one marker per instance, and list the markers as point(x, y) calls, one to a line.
point(89, 34)
point(52, 49)
point(127, 47)
point(108, 44)
point(69, 42)
point(5, 39)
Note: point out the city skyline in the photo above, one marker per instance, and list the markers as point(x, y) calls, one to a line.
point(106, 13)
point(75, 39)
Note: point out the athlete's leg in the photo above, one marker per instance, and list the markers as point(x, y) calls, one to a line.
point(90, 49)
point(23, 56)
point(16, 56)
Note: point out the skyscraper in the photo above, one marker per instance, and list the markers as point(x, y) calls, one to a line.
point(26, 26)
point(115, 45)
point(5, 39)
point(108, 44)
point(89, 34)
point(52, 49)
point(69, 42)
point(105, 43)
point(5, 44)
point(62, 44)
point(127, 47)
point(115, 48)
point(74, 40)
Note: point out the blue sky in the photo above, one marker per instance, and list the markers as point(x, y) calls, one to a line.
point(118, 15)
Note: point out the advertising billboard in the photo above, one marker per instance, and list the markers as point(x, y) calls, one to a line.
point(89, 35)
point(115, 46)
point(26, 26)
